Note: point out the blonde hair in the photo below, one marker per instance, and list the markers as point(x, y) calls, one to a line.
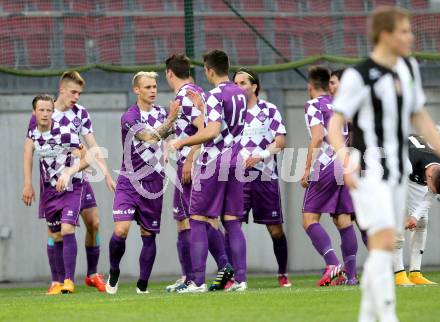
point(385, 18)
point(140, 74)
point(72, 76)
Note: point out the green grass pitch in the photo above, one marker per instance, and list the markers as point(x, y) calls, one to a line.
point(264, 301)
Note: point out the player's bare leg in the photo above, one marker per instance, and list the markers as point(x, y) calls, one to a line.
point(349, 248)
point(280, 250)
point(92, 244)
point(116, 251)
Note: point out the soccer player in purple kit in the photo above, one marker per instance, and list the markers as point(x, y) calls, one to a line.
point(69, 112)
point(263, 137)
point(324, 194)
point(216, 190)
point(58, 148)
point(139, 189)
point(178, 68)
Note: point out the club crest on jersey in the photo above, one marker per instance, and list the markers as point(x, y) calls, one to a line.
point(261, 116)
point(76, 121)
point(161, 118)
point(374, 73)
point(52, 142)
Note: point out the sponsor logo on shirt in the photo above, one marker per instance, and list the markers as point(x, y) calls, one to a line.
point(123, 212)
point(70, 213)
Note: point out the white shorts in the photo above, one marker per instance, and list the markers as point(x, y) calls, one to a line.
point(379, 205)
point(419, 200)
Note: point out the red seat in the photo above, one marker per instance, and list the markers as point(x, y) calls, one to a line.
point(150, 5)
point(76, 32)
point(7, 53)
point(108, 32)
point(86, 6)
point(12, 6)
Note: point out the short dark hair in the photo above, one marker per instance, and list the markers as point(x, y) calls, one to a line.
point(217, 60)
point(180, 65)
point(337, 73)
point(42, 97)
point(436, 179)
point(319, 77)
point(252, 76)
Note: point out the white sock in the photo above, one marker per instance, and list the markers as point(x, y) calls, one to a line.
point(381, 284)
point(417, 244)
point(367, 309)
point(398, 252)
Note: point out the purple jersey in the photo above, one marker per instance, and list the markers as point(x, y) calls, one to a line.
point(141, 158)
point(188, 113)
point(225, 104)
point(54, 149)
point(76, 117)
point(319, 111)
point(262, 124)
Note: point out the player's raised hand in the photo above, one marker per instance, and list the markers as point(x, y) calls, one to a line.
point(196, 99)
point(174, 109)
point(111, 185)
point(252, 161)
point(28, 195)
point(410, 223)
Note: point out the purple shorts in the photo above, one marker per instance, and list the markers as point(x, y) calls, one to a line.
point(181, 198)
point(263, 198)
point(216, 192)
point(88, 198)
point(61, 207)
point(129, 204)
point(327, 196)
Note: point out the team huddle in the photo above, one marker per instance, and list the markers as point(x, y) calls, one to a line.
point(226, 143)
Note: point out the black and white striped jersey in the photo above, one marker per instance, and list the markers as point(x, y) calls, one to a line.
point(380, 101)
point(421, 155)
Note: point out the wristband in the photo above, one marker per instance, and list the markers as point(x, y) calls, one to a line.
point(264, 154)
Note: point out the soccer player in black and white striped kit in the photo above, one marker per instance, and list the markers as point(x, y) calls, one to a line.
point(383, 97)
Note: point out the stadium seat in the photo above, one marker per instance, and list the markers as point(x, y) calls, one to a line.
point(150, 5)
point(80, 5)
point(12, 6)
point(41, 5)
point(319, 6)
point(420, 4)
point(76, 33)
point(7, 52)
point(108, 32)
point(38, 40)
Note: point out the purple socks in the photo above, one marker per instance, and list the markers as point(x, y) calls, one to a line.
point(280, 251)
point(237, 244)
point(116, 251)
point(321, 241)
point(92, 253)
point(199, 249)
point(184, 251)
point(70, 250)
point(51, 257)
point(216, 245)
point(147, 257)
point(349, 249)
point(59, 260)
